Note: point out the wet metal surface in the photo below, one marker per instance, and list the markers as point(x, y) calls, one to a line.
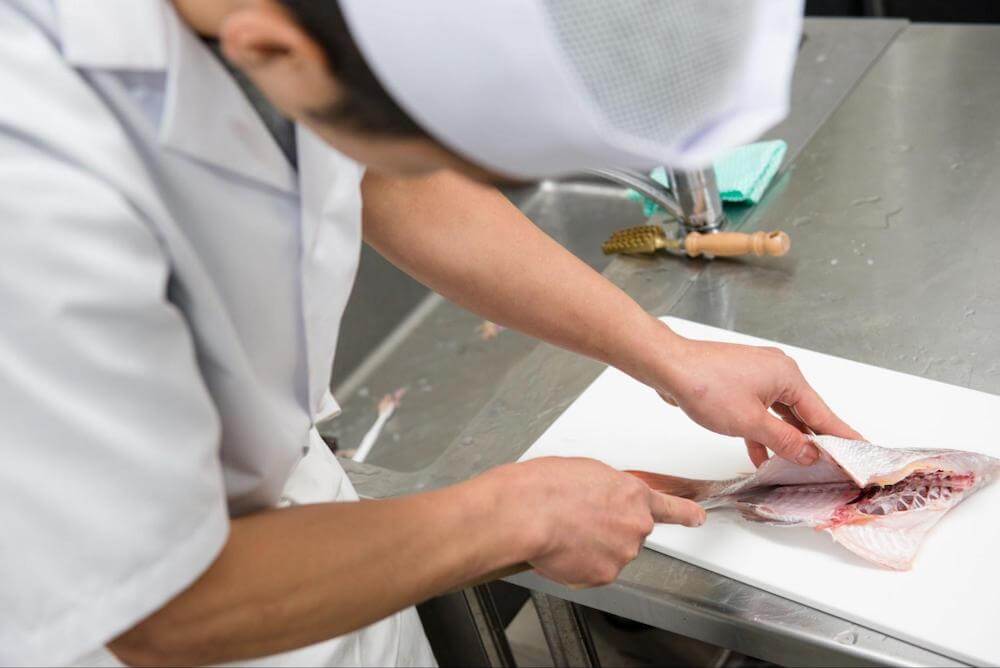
point(451, 373)
point(895, 262)
point(833, 56)
point(892, 209)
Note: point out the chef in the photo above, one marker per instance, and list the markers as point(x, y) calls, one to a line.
point(184, 188)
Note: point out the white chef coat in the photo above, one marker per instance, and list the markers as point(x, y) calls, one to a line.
point(170, 295)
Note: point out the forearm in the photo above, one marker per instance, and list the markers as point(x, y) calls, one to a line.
point(470, 244)
point(292, 577)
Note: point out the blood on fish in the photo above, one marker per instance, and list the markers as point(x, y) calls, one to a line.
point(918, 490)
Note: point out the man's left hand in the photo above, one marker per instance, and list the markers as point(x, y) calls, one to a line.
point(732, 389)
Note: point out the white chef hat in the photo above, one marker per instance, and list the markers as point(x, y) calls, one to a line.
point(535, 88)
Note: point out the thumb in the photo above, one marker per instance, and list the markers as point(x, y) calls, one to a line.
point(784, 440)
point(675, 510)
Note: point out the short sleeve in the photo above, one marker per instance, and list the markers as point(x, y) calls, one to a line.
point(111, 492)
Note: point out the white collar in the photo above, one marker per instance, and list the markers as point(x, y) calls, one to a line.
point(113, 34)
point(206, 116)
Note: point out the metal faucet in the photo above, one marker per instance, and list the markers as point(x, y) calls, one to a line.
point(692, 197)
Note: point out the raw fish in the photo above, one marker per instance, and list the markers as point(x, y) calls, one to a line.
point(878, 502)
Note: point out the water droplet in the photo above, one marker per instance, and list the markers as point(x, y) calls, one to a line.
point(870, 262)
point(903, 148)
point(969, 312)
point(363, 392)
point(871, 199)
point(467, 441)
point(834, 262)
point(955, 165)
point(821, 58)
point(847, 637)
point(888, 217)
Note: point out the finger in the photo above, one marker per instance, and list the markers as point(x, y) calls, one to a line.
point(783, 439)
point(675, 510)
point(788, 414)
point(813, 411)
point(758, 453)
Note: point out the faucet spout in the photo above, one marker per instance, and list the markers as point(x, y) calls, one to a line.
point(693, 197)
point(645, 186)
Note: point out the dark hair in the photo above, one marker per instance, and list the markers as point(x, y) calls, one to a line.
point(366, 106)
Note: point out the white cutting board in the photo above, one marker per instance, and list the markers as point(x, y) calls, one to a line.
point(947, 603)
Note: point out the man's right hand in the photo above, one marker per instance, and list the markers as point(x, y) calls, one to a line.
point(583, 520)
point(291, 577)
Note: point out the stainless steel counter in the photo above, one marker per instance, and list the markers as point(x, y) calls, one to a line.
point(891, 206)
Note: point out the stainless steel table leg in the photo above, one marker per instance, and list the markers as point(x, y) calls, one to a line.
point(491, 632)
point(566, 632)
point(465, 629)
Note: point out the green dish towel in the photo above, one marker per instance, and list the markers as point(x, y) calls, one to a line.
point(743, 174)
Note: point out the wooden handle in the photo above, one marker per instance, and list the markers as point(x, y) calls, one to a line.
point(729, 244)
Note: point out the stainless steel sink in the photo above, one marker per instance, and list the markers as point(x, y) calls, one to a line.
point(579, 213)
point(439, 355)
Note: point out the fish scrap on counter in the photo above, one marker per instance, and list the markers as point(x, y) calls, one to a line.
point(879, 503)
point(489, 330)
point(387, 405)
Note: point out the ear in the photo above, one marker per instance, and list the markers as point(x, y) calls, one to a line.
point(265, 42)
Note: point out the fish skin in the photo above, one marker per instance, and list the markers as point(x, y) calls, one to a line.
point(867, 464)
point(892, 542)
point(877, 502)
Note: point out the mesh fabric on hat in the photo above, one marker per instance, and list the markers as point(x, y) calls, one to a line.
point(652, 73)
point(534, 88)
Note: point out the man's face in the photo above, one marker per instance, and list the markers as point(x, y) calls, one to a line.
point(287, 66)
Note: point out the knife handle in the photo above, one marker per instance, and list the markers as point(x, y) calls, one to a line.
point(730, 244)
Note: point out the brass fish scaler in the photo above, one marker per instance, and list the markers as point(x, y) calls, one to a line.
point(651, 238)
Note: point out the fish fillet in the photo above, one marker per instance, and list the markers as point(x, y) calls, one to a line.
point(879, 503)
